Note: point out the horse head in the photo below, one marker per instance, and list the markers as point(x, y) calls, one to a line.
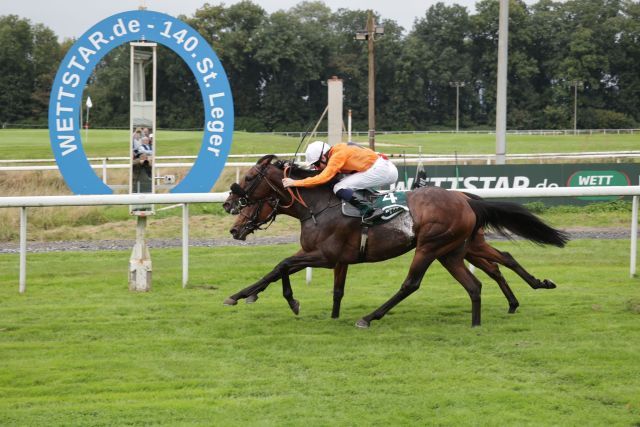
point(256, 197)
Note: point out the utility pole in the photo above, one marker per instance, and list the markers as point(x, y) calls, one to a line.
point(501, 101)
point(576, 84)
point(369, 34)
point(457, 85)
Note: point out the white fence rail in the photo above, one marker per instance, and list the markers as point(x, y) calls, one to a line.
point(24, 202)
point(476, 131)
point(106, 163)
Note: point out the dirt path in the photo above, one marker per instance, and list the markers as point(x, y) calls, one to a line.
point(101, 245)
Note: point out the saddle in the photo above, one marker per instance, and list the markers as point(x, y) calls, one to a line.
point(392, 204)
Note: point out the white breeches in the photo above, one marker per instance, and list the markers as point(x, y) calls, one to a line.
point(382, 173)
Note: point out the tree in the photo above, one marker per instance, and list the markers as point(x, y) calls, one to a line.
point(436, 52)
point(232, 32)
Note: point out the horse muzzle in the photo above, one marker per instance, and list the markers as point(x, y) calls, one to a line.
point(240, 233)
point(231, 208)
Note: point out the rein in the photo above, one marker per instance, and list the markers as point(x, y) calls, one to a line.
point(254, 223)
point(275, 201)
point(295, 196)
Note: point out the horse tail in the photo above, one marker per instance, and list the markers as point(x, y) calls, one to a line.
point(505, 216)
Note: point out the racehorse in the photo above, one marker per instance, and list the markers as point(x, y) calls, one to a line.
point(440, 224)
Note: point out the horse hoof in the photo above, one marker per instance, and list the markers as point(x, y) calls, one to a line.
point(230, 301)
point(512, 309)
point(251, 299)
point(363, 324)
point(548, 284)
point(295, 307)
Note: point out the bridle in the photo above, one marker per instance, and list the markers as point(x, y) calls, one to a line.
point(244, 200)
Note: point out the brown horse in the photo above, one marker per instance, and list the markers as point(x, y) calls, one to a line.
point(439, 225)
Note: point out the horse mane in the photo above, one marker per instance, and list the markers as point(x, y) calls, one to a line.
point(296, 170)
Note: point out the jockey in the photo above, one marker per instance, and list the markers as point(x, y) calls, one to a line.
point(363, 167)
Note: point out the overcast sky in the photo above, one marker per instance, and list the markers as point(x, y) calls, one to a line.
point(71, 18)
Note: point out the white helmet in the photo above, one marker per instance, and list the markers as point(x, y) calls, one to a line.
point(315, 150)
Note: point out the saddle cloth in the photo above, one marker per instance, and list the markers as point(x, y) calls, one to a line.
point(391, 203)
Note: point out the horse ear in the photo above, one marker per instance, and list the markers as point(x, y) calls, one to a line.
point(237, 190)
point(265, 160)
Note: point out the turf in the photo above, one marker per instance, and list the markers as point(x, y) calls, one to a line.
point(34, 144)
point(80, 349)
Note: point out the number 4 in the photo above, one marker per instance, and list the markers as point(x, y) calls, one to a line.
point(179, 36)
point(390, 197)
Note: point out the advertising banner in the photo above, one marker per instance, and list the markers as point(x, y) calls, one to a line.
point(526, 176)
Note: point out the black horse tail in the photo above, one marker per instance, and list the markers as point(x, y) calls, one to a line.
point(505, 216)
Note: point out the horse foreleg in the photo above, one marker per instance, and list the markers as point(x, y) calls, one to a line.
point(287, 293)
point(419, 265)
point(492, 270)
point(252, 291)
point(339, 279)
point(285, 267)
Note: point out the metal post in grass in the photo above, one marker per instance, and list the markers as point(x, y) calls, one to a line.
point(23, 250)
point(501, 99)
point(185, 244)
point(634, 237)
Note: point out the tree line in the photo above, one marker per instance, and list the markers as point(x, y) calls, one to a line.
point(278, 63)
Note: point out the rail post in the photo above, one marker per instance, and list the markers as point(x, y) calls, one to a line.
point(309, 275)
point(185, 244)
point(104, 170)
point(23, 250)
point(140, 267)
point(634, 237)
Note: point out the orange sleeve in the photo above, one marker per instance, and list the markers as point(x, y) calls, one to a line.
point(336, 161)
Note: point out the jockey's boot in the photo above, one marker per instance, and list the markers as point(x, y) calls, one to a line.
point(368, 212)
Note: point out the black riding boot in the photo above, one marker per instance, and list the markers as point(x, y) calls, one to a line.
point(366, 208)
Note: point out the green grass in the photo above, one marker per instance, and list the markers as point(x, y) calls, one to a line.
point(32, 144)
point(80, 349)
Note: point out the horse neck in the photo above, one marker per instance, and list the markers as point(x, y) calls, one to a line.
point(317, 199)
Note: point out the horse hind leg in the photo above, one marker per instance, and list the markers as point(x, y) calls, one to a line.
point(419, 265)
point(492, 270)
point(479, 248)
point(455, 266)
point(509, 261)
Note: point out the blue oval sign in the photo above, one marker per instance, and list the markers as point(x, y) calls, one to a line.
point(86, 53)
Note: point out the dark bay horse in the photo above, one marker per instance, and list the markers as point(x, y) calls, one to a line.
point(440, 225)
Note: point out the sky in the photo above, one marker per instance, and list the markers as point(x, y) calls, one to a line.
point(71, 18)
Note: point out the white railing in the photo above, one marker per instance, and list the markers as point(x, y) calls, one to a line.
point(24, 202)
point(300, 134)
point(25, 165)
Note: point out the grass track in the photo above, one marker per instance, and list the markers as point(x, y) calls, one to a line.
point(79, 349)
point(33, 144)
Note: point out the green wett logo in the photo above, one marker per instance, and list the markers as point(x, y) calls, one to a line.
point(601, 178)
